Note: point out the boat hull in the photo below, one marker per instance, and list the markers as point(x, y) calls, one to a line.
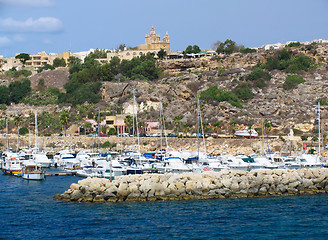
point(12, 172)
point(33, 176)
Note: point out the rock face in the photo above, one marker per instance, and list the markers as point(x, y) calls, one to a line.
point(223, 184)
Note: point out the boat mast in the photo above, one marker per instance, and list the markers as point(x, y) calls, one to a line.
point(121, 132)
point(319, 150)
point(36, 130)
point(98, 128)
point(161, 121)
point(133, 128)
point(198, 112)
point(7, 134)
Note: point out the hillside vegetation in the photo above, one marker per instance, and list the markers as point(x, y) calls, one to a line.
point(237, 88)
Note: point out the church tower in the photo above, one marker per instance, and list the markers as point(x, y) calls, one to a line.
point(153, 41)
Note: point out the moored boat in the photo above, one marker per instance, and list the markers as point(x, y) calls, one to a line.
point(33, 171)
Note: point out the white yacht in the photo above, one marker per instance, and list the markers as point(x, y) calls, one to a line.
point(42, 159)
point(174, 165)
point(309, 161)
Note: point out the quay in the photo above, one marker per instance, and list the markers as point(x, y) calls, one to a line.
point(59, 174)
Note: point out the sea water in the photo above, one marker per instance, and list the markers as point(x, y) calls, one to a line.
point(28, 211)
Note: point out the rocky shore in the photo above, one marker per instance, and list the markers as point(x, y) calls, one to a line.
point(207, 185)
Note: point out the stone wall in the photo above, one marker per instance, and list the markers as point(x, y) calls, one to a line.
point(223, 184)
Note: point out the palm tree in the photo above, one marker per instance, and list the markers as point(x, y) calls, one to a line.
point(177, 121)
point(17, 120)
point(267, 127)
point(128, 121)
point(232, 126)
point(64, 119)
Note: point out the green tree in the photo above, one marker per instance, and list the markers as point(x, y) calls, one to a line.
point(121, 47)
point(161, 53)
point(98, 53)
point(17, 121)
point(64, 119)
point(177, 121)
point(128, 120)
point(73, 61)
point(227, 47)
point(23, 57)
point(192, 49)
point(4, 95)
point(59, 62)
point(19, 89)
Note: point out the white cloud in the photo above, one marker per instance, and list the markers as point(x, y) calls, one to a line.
point(29, 3)
point(43, 24)
point(4, 41)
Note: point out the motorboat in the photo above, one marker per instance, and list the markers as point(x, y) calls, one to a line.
point(33, 171)
point(309, 161)
point(174, 165)
point(42, 159)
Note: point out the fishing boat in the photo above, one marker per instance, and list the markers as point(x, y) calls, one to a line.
point(33, 171)
point(12, 164)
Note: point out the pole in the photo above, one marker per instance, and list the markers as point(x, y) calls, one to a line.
point(36, 130)
point(7, 134)
point(198, 126)
point(319, 150)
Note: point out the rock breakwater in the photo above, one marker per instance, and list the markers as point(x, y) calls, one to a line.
point(184, 186)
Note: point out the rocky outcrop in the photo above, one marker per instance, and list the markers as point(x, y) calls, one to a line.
point(223, 184)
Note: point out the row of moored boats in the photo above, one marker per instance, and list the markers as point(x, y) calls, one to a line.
point(30, 163)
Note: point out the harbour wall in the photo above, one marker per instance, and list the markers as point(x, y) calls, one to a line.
point(207, 185)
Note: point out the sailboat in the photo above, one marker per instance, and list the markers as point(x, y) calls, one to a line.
point(11, 163)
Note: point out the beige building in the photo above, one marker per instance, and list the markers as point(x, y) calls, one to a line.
point(152, 44)
point(42, 58)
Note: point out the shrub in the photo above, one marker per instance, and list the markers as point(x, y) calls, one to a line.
point(304, 137)
point(106, 145)
point(112, 131)
point(292, 81)
point(213, 93)
point(284, 60)
point(243, 91)
point(23, 131)
point(259, 77)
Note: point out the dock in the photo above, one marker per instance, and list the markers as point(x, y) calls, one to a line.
point(59, 174)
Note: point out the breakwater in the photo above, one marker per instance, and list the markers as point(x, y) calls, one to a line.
point(207, 185)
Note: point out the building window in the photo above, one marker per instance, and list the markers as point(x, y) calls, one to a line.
point(110, 122)
point(134, 54)
point(128, 54)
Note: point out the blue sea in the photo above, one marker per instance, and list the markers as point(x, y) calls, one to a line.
point(27, 211)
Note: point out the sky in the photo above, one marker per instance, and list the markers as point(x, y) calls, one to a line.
point(57, 26)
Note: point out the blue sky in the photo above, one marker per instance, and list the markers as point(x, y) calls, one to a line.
point(60, 25)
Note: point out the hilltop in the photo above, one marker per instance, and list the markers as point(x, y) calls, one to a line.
point(284, 109)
